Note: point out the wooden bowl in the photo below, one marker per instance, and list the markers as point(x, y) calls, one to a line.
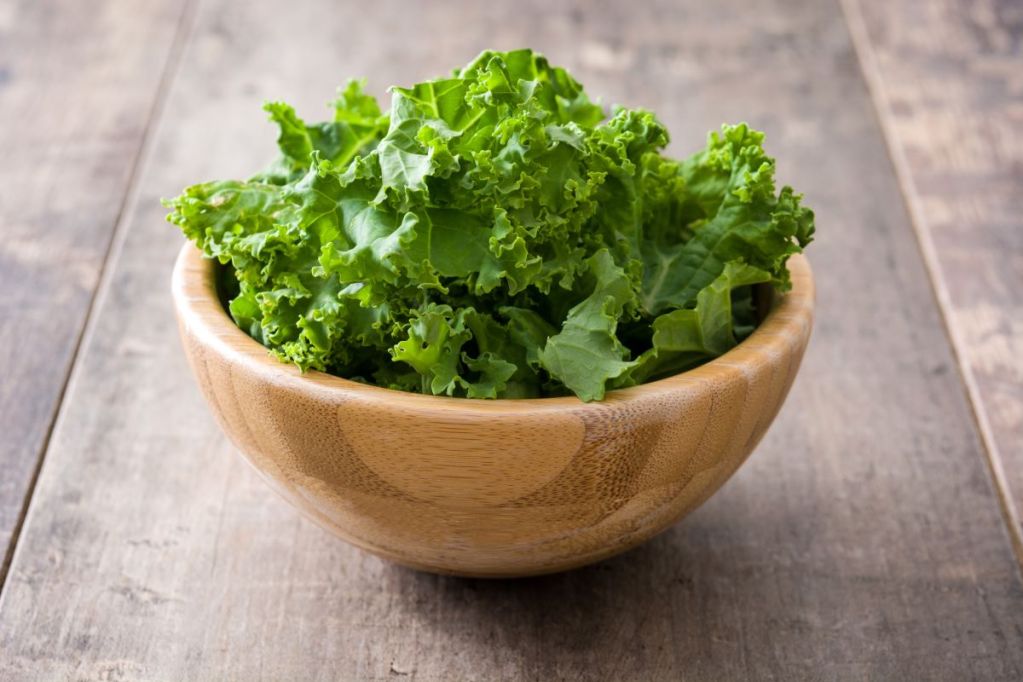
point(491, 488)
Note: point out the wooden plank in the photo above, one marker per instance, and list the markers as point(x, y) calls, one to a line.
point(77, 83)
point(862, 539)
point(948, 80)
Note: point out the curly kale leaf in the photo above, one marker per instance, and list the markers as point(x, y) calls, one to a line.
point(496, 234)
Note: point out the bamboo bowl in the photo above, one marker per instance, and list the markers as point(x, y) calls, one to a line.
point(493, 488)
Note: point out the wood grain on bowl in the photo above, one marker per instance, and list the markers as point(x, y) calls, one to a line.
point(499, 487)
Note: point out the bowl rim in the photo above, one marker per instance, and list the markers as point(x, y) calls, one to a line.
point(200, 311)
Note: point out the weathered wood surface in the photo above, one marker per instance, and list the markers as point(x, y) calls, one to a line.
point(862, 540)
point(78, 81)
point(948, 80)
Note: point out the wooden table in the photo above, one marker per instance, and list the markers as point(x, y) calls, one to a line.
point(875, 534)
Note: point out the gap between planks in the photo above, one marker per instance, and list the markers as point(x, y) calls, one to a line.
point(182, 30)
point(907, 186)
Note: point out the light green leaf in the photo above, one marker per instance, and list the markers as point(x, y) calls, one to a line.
point(585, 354)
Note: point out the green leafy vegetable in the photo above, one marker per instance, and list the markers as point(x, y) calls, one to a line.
point(496, 235)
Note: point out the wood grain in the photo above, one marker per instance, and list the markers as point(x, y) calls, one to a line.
point(948, 78)
point(490, 488)
point(77, 83)
point(861, 541)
